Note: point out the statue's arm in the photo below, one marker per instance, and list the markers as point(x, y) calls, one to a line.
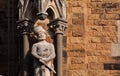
point(52, 55)
point(34, 52)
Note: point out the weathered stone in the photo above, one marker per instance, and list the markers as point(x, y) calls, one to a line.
point(70, 73)
point(94, 39)
point(78, 33)
point(92, 72)
point(113, 10)
point(111, 5)
point(103, 46)
point(95, 66)
point(76, 53)
point(98, 53)
point(93, 17)
point(103, 73)
point(105, 22)
point(96, 0)
point(91, 5)
point(77, 60)
point(79, 73)
point(114, 72)
point(92, 59)
point(76, 40)
point(110, 16)
point(77, 4)
point(77, 46)
point(78, 18)
point(77, 67)
point(90, 22)
point(97, 10)
point(109, 39)
point(109, 34)
point(110, 28)
point(77, 10)
point(91, 46)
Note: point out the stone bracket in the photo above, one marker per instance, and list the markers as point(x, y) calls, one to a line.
point(25, 26)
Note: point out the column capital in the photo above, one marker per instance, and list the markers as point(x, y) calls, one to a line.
point(24, 26)
point(58, 26)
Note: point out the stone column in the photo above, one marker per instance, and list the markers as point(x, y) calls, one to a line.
point(58, 26)
point(24, 27)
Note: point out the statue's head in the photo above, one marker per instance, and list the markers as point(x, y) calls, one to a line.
point(40, 32)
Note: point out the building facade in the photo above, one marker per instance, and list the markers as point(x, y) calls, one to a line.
point(90, 44)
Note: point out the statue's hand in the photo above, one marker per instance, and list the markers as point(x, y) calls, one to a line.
point(44, 59)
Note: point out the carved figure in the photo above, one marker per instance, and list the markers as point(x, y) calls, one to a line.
point(43, 53)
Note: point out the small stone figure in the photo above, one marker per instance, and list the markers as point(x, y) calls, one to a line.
point(43, 53)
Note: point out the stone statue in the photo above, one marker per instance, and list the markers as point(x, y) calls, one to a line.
point(44, 53)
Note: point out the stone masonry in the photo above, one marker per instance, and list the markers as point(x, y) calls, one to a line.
point(92, 29)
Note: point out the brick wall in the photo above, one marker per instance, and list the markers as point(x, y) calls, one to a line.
point(92, 29)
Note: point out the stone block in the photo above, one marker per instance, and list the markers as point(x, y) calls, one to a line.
point(70, 73)
point(91, 46)
point(96, 28)
point(111, 5)
point(113, 10)
point(76, 40)
point(79, 73)
point(98, 53)
point(105, 22)
point(104, 59)
point(91, 5)
point(95, 31)
point(114, 72)
point(77, 10)
point(78, 19)
point(68, 31)
point(92, 59)
point(92, 72)
point(103, 73)
point(77, 67)
point(77, 60)
point(76, 53)
point(94, 39)
point(77, 46)
point(96, 0)
point(110, 28)
point(110, 16)
point(90, 22)
point(97, 10)
point(109, 39)
point(77, 3)
point(93, 17)
point(78, 33)
point(103, 46)
point(109, 34)
point(95, 66)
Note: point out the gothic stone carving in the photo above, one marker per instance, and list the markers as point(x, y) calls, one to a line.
point(43, 53)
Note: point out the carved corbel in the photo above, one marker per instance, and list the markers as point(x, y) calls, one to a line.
point(25, 26)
